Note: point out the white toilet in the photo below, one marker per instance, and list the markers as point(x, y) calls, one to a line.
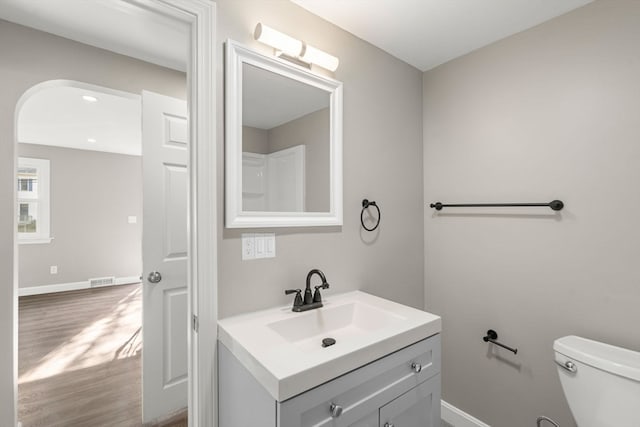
point(601, 382)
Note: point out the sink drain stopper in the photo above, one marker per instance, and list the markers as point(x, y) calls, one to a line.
point(328, 342)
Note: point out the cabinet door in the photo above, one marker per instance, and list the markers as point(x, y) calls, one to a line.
point(420, 406)
point(370, 421)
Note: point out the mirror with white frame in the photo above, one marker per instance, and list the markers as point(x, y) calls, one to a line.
point(283, 143)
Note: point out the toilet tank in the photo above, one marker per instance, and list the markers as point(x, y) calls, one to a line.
point(604, 390)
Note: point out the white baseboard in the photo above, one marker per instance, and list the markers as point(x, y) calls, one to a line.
point(458, 418)
point(72, 286)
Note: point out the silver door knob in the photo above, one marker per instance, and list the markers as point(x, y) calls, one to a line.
point(388, 425)
point(416, 367)
point(154, 277)
point(336, 410)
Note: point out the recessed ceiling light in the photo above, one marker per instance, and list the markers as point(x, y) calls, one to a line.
point(89, 98)
point(91, 140)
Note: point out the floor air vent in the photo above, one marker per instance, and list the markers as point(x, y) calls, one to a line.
point(102, 281)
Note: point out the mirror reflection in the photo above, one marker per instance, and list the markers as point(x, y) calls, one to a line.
point(285, 144)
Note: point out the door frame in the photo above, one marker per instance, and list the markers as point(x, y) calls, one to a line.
point(200, 15)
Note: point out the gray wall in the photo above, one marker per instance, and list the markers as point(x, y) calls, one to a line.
point(552, 112)
point(382, 162)
point(255, 140)
point(29, 57)
point(92, 194)
point(311, 130)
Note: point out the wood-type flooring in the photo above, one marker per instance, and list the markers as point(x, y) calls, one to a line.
point(80, 359)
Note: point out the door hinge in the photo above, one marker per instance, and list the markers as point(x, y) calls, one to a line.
point(195, 324)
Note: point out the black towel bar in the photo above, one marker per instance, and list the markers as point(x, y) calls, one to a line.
point(556, 205)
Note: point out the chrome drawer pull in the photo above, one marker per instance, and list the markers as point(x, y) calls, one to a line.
point(417, 368)
point(388, 425)
point(336, 410)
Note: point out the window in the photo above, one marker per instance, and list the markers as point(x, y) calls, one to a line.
point(33, 200)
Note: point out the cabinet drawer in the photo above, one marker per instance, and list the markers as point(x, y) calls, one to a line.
point(364, 390)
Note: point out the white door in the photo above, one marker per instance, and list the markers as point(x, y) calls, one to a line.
point(165, 324)
point(254, 170)
point(286, 179)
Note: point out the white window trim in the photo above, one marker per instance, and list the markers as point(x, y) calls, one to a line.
point(44, 213)
point(34, 241)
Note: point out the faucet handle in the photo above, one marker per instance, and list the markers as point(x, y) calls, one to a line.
point(316, 295)
point(297, 302)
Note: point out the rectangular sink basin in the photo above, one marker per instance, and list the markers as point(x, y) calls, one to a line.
point(339, 322)
point(284, 350)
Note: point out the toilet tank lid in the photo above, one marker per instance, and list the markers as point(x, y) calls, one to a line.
point(617, 360)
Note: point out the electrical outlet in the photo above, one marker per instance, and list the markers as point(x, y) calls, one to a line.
point(53, 269)
point(248, 246)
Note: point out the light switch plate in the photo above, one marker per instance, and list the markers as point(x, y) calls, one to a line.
point(248, 246)
point(53, 269)
point(260, 245)
point(270, 245)
point(132, 219)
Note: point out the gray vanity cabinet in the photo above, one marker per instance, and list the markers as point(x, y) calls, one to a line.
point(401, 389)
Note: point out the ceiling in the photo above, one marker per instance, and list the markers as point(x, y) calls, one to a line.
point(57, 115)
point(117, 26)
point(270, 100)
point(427, 33)
point(423, 33)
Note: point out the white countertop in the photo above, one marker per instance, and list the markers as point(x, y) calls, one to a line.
point(282, 349)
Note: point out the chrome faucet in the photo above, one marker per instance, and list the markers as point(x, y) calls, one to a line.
point(310, 300)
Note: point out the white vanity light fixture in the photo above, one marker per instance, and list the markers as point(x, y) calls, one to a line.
point(277, 40)
point(294, 48)
point(319, 57)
